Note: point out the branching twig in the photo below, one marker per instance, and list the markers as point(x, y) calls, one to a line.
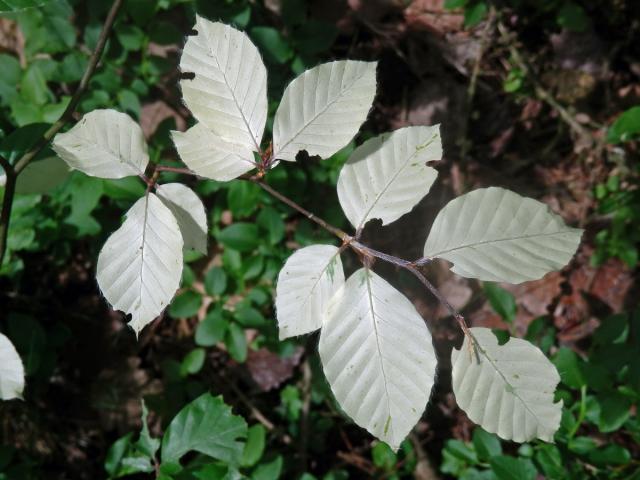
point(12, 171)
point(539, 90)
point(366, 253)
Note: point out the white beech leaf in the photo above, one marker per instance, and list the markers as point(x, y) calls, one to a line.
point(323, 108)
point(105, 144)
point(140, 265)
point(229, 91)
point(306, 283)
point(506, 389)
point(209, 156)
point(189, 211)
point(11, 371)
point(387, 175)
point(378, 357)
point(496, 235)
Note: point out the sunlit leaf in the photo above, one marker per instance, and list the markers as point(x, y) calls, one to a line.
point(140, 265)
point(387, 176)
point(378, 357)
point(496, 235)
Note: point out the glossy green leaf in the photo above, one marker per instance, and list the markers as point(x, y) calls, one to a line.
point(208, 426)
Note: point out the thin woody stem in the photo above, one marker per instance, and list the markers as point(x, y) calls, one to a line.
point(12, 171)
point(367, 253)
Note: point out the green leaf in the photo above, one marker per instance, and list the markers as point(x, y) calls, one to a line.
point(130, 37)
point(242, 198)
point(11, 72)
point(254, 447)
point(550, 460)
point(474, 14)
point(573, 17)
point(383, 456)
point(272, 44)
point(236, 343)
point(240, 236)
point(510, 468)
point(249, 317)
point(270, 220)
point(582, 445)
point(215, 281)
point(18, 142)
point(146, 443)
point(268, 471)
point(452, 4)
point(569, 366)
point(193, 362)
point(487, 445)
point(185, 305)
point(115, 454)
point(42, 176)
point(615, 409)
point(208, 426)
point(626, 127)
point(502, 301)
point(18, 5)
point(611, 454)
point(212, 329)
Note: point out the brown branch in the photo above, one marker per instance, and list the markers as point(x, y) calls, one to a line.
point(539, 90)
point(366, 253)
point(21, 164)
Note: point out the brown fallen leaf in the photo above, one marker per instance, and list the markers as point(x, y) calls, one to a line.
point(269, 370)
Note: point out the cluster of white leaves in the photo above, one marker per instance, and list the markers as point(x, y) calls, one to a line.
point(140, 265)
point(320, 112)
point(11, 371)
point(375, 348)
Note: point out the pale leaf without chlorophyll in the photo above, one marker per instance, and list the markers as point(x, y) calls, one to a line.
point(105, 144)
point(387, 175)
point(378, 357)
point(140, 265)
point(306, 283)
point(506, 389)
point(496, 235)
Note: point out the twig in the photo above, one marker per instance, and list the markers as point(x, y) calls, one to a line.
point(539, 90)
point(12, 172)
point(473, 81)
point(367, 253)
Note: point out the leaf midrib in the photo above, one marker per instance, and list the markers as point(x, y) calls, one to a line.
point(375, 328)
point(509, 239)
